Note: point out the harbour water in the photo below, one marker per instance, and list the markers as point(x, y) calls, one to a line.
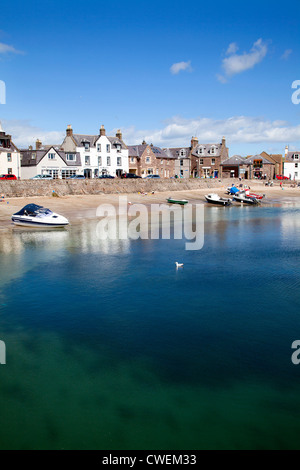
point(110, 347)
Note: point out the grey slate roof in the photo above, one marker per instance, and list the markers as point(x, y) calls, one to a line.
point(250, 160)
point(207, 150)
point(115, 141)
point(235, 160)
point(174, 153)
point(81, 139)
point(138, 150)
point(27, 159)
point(289, 157)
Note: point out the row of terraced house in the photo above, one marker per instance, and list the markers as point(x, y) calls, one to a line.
point(97, 155)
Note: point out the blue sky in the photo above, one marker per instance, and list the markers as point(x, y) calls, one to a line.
point(159, 70)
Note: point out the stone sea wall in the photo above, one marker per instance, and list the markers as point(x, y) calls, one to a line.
point(31, 188)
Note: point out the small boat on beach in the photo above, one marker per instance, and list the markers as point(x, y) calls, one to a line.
point(33, 215)
point(181, 202)
point(216, 199)
point(243, 198)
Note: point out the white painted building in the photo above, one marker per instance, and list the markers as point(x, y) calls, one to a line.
point(292, 165)
point(10, 163)
point(99, 154)
point(49, 161)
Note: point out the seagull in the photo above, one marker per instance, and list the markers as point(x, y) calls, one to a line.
point(179, 265)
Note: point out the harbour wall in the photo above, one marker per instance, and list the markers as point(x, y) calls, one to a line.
point(30, 188)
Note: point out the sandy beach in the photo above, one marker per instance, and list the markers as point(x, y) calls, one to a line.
point(78, 207)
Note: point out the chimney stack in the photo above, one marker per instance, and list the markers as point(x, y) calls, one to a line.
point(102, 130)
point(119, 135)
point(223, 142)
point(194, 142)
point(38, 144)
point(30, 147)
point(69, 131)
point(286, 150)
point(144, 142)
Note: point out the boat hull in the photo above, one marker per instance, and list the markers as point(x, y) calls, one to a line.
point(35, 224)
point(220, 202)
point(181, 203)
point(250, 201)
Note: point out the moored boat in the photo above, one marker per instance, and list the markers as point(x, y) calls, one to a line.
point(244, 199)
point(33, 215)
point(181, 202)
point(216, 199)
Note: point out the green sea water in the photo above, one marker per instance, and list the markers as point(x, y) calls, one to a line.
point(110, 347)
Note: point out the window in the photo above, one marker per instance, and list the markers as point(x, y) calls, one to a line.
point(132, 160)
point(9, 159)
point(87, 160)
point(119, 148)
point(108, 161)
point(200, 151)
point(33, 156)
point(296, 165)
point(9, 171)
point(181, 162)
point(161, 162)
point(296, 174)
point(108, 148)
point(87, 147)
point(67, 173)
point(71, 157)
point(213, 161)
point(296, 156)
point(257, 164)
point(98, 147)
point(182, 153)
point(148, 160)
point(201, 161)
point(100, 161)
point(119, 161)
point(51, 156)
point(213, 150)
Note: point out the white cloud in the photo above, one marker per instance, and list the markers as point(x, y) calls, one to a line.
point(177, 132)
point(238, 63)
point(24, 134)
point(232, 48)
point(286, 54)
point(5, 49)
point(180, 67)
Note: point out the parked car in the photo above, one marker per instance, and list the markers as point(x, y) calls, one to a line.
point(282, 177)
point(153, 177)
point(8, 177)
point(42, 177)
point(130, 175)
point(76, 177)
point(106, 177)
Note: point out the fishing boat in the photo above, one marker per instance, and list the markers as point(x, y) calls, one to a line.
point(257, 196)
point(216, 199)
point(182, 202)
point(33, 215)
point(245, 199)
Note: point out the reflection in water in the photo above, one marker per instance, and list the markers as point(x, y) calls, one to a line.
point(110, 347)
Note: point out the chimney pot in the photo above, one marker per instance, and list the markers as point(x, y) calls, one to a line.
point(69, 130)
point(102, 130)
point(38, 144)
point(119, 135)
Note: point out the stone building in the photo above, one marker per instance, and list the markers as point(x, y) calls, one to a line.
point(206, 159)
point(145, 160)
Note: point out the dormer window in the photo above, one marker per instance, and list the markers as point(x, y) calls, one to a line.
point(200, 151)
point(87, 146)
point(213, 150)
point(182, 153)
point(118, 148)
point(296, 156)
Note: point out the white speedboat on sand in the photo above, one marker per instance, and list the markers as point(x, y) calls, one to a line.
point(33, 215)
